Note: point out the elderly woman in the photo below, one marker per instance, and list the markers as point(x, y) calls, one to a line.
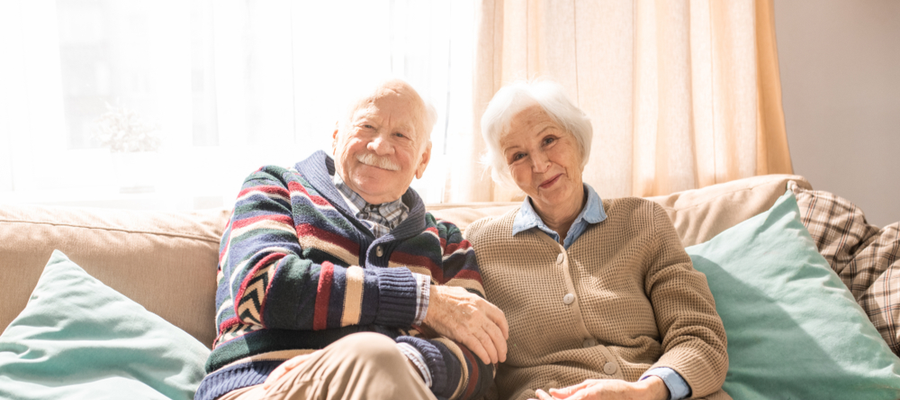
point(601, 298)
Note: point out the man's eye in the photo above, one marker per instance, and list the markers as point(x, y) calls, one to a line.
point(367, 126)
point(399, 135)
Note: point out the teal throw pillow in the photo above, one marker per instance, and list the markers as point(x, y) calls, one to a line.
point(79, 339)
point(794, 330)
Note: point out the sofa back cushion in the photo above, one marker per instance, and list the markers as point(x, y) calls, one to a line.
point(165, 261)
point(698, 214)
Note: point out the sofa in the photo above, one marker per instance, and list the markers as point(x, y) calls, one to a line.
point(165, 263)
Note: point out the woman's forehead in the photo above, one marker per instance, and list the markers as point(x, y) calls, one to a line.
point(527, 123)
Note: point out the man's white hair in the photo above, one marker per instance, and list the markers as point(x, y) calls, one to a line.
point(367, 91)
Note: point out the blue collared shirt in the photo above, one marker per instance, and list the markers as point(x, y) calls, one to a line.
point(593, 213)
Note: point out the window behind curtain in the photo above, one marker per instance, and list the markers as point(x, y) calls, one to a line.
point(230, 85)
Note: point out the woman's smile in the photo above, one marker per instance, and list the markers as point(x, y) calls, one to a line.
point(549, 182)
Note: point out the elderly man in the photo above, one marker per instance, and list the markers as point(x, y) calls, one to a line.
point(334, 283)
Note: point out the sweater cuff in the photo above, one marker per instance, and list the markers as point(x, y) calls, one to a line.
point(416, 358)
point(444, 367)
point(396, 297)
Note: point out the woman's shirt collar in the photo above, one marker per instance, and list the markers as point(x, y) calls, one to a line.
point(592, 213)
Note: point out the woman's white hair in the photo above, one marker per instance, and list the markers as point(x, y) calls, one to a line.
point(517, 96)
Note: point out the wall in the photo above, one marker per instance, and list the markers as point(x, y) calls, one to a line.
point(840, 75)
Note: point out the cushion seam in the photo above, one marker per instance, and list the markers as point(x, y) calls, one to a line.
point(718, 197)
point(103, 228)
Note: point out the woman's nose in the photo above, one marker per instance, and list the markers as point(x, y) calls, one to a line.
point(540, 162)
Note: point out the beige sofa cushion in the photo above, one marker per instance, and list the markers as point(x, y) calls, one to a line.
point(697, 214)
point(701, 214)
point(163, 261)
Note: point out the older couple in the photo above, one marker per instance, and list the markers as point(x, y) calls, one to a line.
point(334, 283)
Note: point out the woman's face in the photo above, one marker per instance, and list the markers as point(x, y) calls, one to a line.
point(544, 160)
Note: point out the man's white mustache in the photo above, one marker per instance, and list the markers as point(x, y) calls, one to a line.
point(376, 161)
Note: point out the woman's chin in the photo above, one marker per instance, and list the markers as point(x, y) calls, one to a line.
point(554, 199)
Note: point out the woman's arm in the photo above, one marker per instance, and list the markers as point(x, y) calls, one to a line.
point(692, 334)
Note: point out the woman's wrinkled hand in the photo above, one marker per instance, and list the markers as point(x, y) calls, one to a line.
point(651, 388)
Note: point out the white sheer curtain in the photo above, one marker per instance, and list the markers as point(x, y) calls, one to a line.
point(231, 85)
point(681, 93)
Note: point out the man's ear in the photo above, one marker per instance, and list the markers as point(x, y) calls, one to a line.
point(423, 162)
point(334, 136)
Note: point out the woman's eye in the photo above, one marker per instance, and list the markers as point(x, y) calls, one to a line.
point(367, 126)
point(518, 156)
point(399, 135)
point(549, 139)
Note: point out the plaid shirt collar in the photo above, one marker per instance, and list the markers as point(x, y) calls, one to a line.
point(380, 218)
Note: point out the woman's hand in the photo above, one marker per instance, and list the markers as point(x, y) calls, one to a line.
point(651, 388)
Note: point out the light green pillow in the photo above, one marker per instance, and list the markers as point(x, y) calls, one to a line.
point(79, 339)
point(794, 330)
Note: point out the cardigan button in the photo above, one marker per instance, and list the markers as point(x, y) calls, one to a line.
point(568, 298)
point(379, 251)
point(610, 368)
point(589, 342)
point(559, 260)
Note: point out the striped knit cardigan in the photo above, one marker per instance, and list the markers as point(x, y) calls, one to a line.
point(297, 270)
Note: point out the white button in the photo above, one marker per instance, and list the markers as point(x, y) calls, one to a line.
point(560, 258)
point(568, 298)
point(610, 368)
point(378, 251)
point(589, 342)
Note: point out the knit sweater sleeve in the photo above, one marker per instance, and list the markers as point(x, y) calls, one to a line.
point(282, 263)
point(457, 373)
point(693, 337)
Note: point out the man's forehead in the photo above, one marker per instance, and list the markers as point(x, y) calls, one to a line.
point(401, 113)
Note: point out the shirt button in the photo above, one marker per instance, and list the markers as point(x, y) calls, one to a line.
point(589, 342)
point(568, 298)
point(610, 368)
point(560, 258)
point(379, 251)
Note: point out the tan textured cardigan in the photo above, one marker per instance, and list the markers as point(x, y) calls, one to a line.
point(622, 299)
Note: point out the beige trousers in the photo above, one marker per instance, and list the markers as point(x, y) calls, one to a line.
point(359, 366)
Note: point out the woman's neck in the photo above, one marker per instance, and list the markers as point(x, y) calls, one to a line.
point(561, 218)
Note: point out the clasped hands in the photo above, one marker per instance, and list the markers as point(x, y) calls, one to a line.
point(455, 313)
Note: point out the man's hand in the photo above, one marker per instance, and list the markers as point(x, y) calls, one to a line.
point(466, 318)
point(284, 368)
point(652, 388)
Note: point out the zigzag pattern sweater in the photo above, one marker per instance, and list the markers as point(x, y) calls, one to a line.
point(298, 271)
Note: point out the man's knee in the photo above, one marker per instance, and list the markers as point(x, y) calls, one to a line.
point(370, 347)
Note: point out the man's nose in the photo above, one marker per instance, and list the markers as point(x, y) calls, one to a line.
point(380, 145)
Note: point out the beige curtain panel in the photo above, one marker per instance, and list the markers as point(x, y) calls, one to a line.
point(682, 93)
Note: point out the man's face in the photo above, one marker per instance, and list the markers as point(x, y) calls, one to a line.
point(383, 146)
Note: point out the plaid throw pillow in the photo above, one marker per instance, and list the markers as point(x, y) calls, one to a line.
point(867, 258)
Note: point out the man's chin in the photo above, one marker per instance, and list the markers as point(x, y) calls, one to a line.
point(380, 188)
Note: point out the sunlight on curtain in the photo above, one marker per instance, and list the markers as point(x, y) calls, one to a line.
point(681, 93)
point(226, 86)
